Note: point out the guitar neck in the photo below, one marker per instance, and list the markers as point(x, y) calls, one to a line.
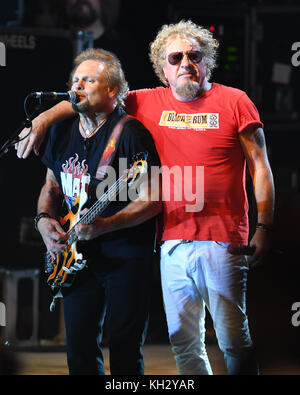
point(98, 207)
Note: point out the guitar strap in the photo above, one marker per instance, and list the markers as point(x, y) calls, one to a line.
point(107, 158)
point(111, 148)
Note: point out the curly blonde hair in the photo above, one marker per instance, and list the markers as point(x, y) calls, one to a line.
point(187, 29)
point(113, 71)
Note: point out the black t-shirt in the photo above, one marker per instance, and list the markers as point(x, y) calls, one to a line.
point(74, 162)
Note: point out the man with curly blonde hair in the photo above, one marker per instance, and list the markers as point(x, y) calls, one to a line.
point(208, 44)
point(205, 133)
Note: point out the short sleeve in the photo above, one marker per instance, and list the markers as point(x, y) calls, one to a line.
point(131, 103)
point(47, 157)
point(56, 137)
point(246, 113)
point(136, 100)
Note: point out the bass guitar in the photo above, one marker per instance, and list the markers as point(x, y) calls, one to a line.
point(62, 269)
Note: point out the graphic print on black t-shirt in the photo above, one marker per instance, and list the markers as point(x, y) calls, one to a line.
point(75, 180)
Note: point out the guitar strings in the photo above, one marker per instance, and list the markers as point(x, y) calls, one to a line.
point(90, 215)
point(98, 207)
point(103, 201)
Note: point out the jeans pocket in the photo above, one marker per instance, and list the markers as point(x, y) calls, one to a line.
point(223, 244)
point(167, 246)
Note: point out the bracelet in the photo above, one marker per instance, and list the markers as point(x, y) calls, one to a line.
point(38, 217)
point(263, 227)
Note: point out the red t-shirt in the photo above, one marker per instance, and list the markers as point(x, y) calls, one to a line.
point(203, 164)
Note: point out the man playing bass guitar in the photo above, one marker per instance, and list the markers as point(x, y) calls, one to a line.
point(114, 284)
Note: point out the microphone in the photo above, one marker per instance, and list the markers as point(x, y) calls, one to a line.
point(70, 96)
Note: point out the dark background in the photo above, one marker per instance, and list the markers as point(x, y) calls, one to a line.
point(254, 37)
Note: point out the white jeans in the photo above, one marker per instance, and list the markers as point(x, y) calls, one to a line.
point(200, 273)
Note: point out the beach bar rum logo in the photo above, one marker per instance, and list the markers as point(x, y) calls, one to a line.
point(2, 54)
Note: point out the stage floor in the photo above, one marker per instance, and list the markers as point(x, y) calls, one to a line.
point(158, 361)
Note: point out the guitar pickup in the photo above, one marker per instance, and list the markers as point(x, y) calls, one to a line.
point(49, 268)
point(49, 264)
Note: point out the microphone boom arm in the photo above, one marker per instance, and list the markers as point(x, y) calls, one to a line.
point(70, 96)
point(15, 137)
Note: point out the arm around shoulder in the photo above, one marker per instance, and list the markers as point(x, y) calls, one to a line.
point(40, 125)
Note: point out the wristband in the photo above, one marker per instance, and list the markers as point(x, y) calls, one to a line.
point(263, 227)
point(38, 217)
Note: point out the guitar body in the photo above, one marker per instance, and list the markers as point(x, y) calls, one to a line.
point(60, 268)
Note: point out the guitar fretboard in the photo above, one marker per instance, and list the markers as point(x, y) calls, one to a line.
point(98, 207)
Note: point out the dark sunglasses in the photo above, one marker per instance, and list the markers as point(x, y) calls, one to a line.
point(176, 57)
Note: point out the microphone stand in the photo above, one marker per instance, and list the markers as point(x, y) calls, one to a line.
point(25, 124)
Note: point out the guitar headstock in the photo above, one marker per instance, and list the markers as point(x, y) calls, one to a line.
point(137, 168)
